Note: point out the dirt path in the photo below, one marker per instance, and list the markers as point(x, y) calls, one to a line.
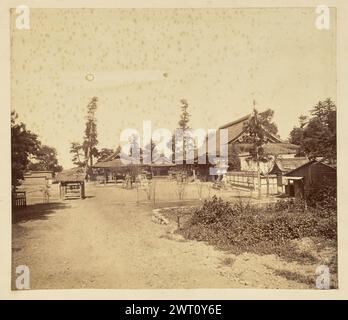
point(102, 242)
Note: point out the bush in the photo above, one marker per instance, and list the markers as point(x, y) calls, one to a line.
point(244, 226)
point(323, 199)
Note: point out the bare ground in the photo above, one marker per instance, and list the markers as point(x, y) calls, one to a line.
point(105, 241)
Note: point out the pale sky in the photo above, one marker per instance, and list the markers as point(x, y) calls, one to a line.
point(143, 61)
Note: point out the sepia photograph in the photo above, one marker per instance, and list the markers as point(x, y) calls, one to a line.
point(173, 148)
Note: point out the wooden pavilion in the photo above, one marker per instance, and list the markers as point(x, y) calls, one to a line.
point(72, 183)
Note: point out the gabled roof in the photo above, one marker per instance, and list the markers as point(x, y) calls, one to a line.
point(161, 161)
point(289, 164)
point(72, 175)
point(115, 155)
point(310, 163)
point(242, 119)
point(236, 129)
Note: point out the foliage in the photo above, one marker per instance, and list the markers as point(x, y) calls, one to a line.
point(90, 139)
point(27, 152)
point(105, 153)
point(45, 159)
point(242, 226)
point(234, 162)
point(78, 156)
point(324, 199)
point(184, 126)
point(316, 135)
point(185, 116)
point(257, 131)
point(24, 144)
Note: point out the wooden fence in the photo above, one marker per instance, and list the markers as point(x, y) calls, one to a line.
point(19, 199)
point(248, 180)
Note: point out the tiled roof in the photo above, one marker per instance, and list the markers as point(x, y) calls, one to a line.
point(310, 163)
point(236, 129)
point(288, 164)
point(269, 148)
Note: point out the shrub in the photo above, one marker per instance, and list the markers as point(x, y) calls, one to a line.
point(323, 199)
point(247, 227)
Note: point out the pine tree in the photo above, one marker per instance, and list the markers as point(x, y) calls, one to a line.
point(183, 125)
point(90, 139)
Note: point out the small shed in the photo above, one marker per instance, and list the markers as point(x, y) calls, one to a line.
point(282, 166)
point(72, 183)
point(309, 178)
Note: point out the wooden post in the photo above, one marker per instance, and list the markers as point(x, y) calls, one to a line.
point(83, 195)
point(154, 192)
point(258, 179)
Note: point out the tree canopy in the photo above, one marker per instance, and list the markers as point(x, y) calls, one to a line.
point(105, 153)
point(45, 159)
point(84, 153)
point(78, 156)
point(257, 131)
point(316, 134)
point(27, 152)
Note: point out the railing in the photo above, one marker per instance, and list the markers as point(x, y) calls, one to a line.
point(249, 181)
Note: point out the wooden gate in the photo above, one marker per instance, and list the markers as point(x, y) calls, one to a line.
point(19, 199)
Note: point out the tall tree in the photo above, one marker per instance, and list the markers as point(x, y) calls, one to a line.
point(184, 126)
point(185, 116)
point(257, 129)
point(45, 159)
point(316, 135)
point(90, 139)
point(24, 144)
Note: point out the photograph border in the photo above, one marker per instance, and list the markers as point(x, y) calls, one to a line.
point(162, 294)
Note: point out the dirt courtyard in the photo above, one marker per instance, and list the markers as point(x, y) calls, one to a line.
point(108, 240)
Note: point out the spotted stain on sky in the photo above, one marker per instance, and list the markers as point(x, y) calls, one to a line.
point(141, 62)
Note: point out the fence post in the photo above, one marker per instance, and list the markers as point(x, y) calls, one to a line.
point(154, 192)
